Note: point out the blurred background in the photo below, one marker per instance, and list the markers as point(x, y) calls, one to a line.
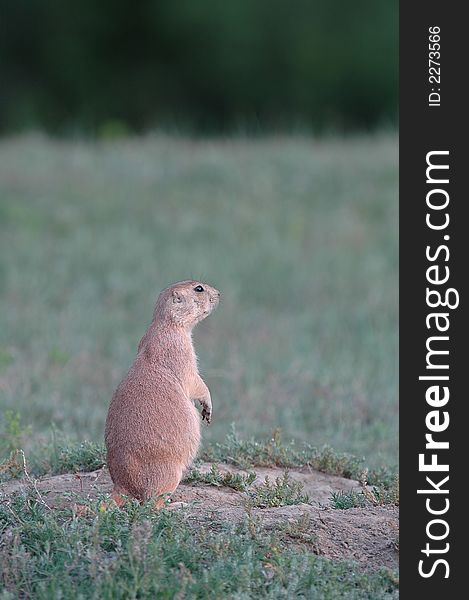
point(119, 66)
point(251, 145)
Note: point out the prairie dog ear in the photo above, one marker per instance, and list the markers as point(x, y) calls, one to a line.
point(177, 297)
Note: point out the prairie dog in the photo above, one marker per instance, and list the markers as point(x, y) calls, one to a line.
point(152, 427)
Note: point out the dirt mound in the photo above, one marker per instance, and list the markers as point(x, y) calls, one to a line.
point(366, 535)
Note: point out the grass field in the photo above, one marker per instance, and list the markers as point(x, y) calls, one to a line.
point(139, 553)
point(300, 236)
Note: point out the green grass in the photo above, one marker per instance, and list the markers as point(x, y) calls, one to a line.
point(139, 553)
point(345, 500)
point(60, 455)
point(300, 236)
point(375, 491)
point(273, 451)
point(284, 491)
point(136, 552)
point(374, 497)
point(236, 481)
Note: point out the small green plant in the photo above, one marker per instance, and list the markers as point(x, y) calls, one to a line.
point(344, 500)
point(13, 433)
point(380, 495)
point(72, 457)
point(274, 452)
point(285, 491)
point(383, 477)
point(236, 481)
point(12, 466)
point(245, 453)
point(300, 531)
point(376, 496)
point(328, 460)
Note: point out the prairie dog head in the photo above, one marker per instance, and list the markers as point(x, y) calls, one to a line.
point(186, 303)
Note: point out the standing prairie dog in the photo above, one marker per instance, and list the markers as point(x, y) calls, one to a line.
point(152, 427)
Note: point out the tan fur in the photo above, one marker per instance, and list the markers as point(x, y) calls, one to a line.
point(153, 428)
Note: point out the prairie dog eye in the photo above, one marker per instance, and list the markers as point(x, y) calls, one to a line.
point(198, 288)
